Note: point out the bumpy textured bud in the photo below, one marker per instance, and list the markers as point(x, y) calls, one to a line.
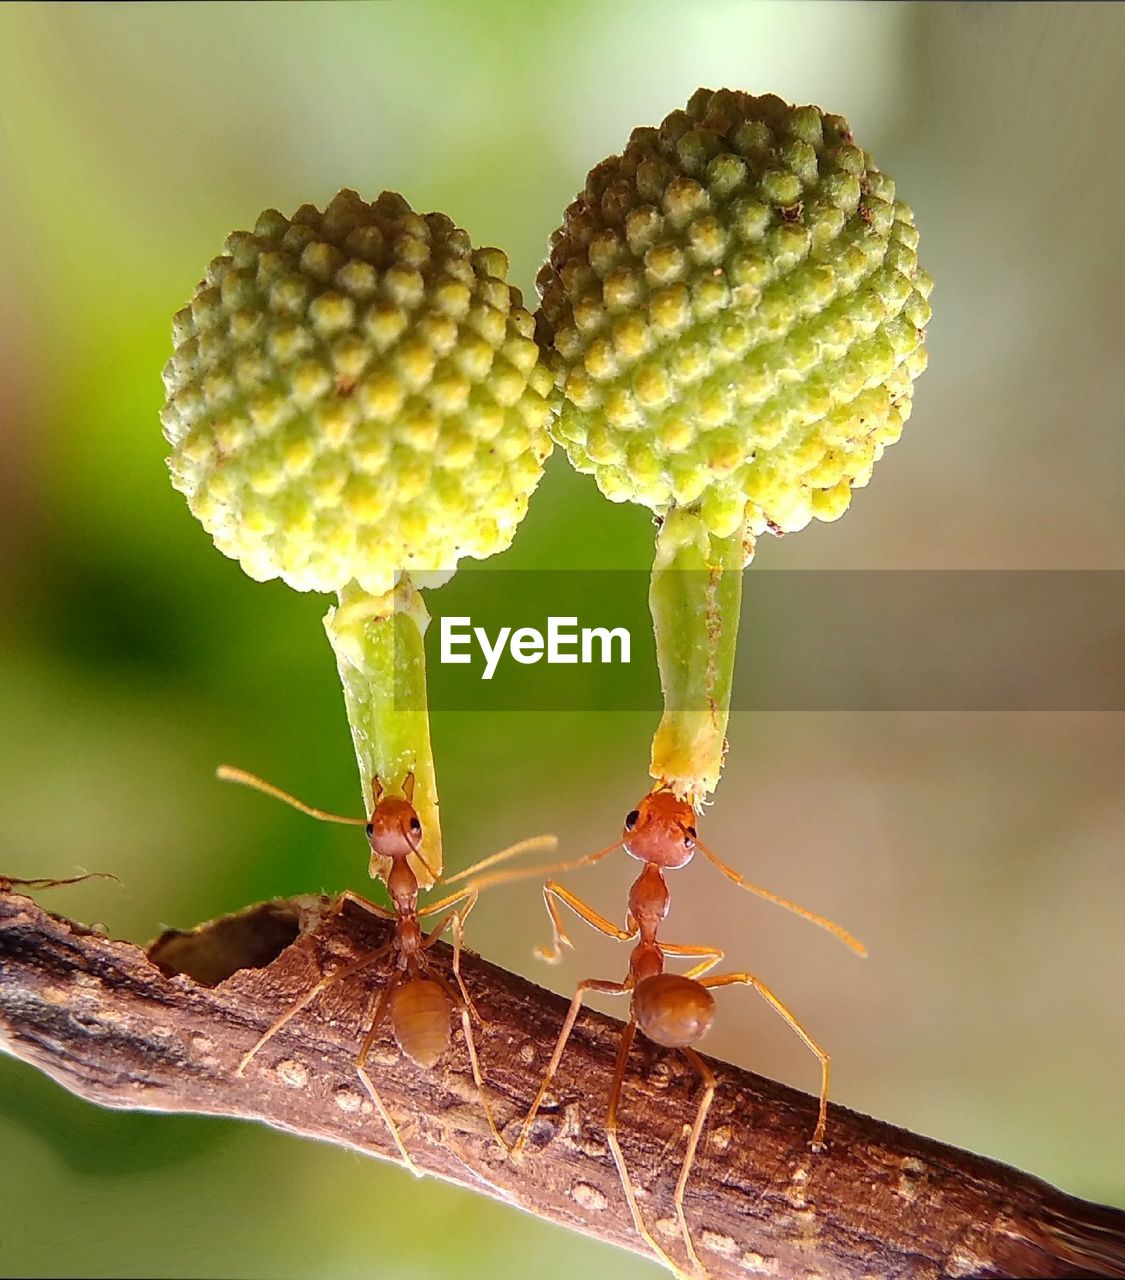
point(354, 393)
point(735, 313)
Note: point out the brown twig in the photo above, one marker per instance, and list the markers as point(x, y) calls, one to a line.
point(126, 1028)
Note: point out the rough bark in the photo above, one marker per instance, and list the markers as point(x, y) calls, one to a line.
point(121, 1028)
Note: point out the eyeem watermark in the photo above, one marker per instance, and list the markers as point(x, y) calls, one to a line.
point(811, 640)
point(564, 644)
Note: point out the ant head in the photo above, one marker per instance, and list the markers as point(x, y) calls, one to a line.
point(661, 829)
point(394, 828)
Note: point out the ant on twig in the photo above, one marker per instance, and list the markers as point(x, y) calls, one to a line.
point(417, 1000)
point(673, 1010)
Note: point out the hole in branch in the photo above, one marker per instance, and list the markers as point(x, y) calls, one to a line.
point(210, 953)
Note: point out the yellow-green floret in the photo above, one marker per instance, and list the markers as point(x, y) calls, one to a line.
point(735, 312)
point(356, 393)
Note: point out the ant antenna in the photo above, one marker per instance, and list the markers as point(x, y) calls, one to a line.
point(229, 773)
point(435, 876)
point(836, 930)
point(532, 844)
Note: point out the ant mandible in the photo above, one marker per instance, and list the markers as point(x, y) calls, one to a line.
point(673, 1010)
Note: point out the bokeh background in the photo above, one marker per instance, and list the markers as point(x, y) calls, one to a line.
point(980, 856)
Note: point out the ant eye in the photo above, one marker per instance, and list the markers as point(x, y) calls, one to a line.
point(631, 819)
point(370, 829)
point(415, 826)
point(689, 837)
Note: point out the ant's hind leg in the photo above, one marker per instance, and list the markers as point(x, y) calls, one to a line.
point(748, 979)
point(458, 945)
point(708, 1077)
point(467, 1014)
point(619, 1157)
point(588, 984)
point(457, 919)
point(279, 1023)
point(361, 1070)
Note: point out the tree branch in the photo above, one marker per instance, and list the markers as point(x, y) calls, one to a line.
point(126, 1028)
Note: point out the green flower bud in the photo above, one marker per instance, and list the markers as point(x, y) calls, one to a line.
point(728, 303)
point(356, 393)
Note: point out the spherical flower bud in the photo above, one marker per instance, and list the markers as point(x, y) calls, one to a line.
point(356, 393)
point(735, 315)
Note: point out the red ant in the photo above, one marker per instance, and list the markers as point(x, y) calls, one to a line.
point(418, 1000)
point(673, 1010)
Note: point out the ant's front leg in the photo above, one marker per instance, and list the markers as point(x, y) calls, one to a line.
point(365, 904)
point(553, 893)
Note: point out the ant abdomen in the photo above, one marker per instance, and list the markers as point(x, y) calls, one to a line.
point(673, 1010)
point(420, 1012)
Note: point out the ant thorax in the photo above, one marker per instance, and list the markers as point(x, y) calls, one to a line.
point(649, 900)
point(661, 829)
point(402, 886)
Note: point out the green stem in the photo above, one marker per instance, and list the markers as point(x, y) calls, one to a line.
point(382, 665)
point(695, 597)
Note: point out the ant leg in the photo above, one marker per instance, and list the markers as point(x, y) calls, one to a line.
point(346, 972)
point(552, 890)
point(467, 1008)
point(712, 956)
point(588, 984)
point(708, 1077)
point(458, 942)
point(474, 1059)
point(619, 1156)
point(468, 895)
point(432, 908)
point(748, 979)
point(372, 908)
point(361, 1070)
point(436, 932)
point(470, 1011)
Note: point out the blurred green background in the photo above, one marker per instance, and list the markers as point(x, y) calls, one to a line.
point(979, 856)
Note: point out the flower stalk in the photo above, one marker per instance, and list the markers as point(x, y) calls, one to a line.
point(695, 599)
point(380, 655)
